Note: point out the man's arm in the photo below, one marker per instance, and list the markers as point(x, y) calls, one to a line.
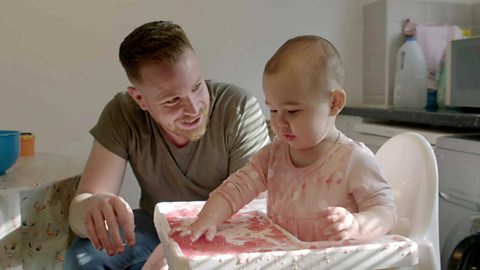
point(97, 205)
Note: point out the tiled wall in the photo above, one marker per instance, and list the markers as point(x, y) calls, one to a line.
point(476, 20)
point(374, 52)
point(382, 36)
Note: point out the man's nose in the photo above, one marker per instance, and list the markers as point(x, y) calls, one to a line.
point(191, 106)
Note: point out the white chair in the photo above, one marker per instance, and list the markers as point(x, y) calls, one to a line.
point(410, 167)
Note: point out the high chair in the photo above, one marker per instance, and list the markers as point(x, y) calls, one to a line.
point(410, 167)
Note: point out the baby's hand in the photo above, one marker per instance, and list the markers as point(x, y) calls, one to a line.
point(203, 225)
point(340, 224)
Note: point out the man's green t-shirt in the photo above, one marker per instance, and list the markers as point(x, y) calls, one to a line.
point(236, 130)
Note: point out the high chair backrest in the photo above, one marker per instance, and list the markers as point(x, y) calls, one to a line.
point(410, 167)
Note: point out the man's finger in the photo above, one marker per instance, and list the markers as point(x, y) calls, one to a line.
point(101, 231)
point(113, 230)
point(90, 226)
point(126, 220)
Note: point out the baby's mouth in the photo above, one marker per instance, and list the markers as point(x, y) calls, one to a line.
point(289, 137)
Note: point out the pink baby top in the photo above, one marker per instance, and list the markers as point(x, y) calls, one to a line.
point(347, 176)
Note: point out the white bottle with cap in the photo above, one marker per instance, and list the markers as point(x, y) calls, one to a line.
point(410, 89)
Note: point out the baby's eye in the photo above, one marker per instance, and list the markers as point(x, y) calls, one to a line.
point(273, 111)
point(292, 111)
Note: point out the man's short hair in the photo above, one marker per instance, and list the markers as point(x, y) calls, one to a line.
point(152, 42)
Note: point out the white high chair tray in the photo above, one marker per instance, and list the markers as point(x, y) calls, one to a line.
point(249, 240)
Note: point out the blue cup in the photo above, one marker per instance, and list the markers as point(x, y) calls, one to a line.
point(9, 149)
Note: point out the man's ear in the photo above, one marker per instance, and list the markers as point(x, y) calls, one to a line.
point(339, 98)
point(137, 96)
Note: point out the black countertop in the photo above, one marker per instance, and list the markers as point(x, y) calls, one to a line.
point(442, 118)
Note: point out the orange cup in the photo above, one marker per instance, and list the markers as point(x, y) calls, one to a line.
point(27, 144)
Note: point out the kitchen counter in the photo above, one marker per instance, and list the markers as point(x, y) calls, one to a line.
point(442, 118)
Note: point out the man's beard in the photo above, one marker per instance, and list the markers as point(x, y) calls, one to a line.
point(194, 134)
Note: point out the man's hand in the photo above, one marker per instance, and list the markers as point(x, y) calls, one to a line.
point(105, 214)
point(339, 224)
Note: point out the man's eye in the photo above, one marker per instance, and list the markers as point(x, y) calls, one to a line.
point(196, 87)
point(171, 101)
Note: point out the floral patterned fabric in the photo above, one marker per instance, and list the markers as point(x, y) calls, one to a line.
point(41, 240)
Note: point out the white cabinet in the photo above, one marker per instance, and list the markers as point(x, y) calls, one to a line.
point(375, 134)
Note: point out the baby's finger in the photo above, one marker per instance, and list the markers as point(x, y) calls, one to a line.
point(332, 219)
point(338, 236)
point(335, 228)
point(325, 212)
point(175, 230)
point(185, 232)
point(195, 235)
point(210, 234)
point(331, 214)
point(178, 229)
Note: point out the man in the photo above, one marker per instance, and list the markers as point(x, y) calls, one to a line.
point(181, 134)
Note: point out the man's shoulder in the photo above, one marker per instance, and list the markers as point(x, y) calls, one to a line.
point(123, 98)
point(122, 101)
point(122, 106)
point(230, 97)
point(223, 90)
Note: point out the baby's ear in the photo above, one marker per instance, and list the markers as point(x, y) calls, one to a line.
point(339, 98)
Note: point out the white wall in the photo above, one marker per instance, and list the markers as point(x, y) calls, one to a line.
point(59, 63)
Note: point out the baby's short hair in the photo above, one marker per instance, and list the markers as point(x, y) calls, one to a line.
point(317, 53)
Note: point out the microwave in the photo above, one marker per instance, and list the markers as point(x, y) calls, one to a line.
point(462, 87)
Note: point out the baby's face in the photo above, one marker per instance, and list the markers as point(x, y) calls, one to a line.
point(300, 111)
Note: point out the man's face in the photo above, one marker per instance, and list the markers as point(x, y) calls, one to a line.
point(176, 96)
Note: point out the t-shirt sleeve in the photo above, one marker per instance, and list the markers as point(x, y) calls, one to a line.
point(111, 129)
point(247, 183)
point(366, 182)
point(248, 134)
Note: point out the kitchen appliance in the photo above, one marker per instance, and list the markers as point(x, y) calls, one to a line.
point(458, 159)
point(463, 77)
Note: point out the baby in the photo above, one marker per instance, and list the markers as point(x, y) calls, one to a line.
point(321, 185)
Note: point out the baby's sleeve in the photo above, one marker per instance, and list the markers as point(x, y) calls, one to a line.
point(367, 183)
point(247, 183)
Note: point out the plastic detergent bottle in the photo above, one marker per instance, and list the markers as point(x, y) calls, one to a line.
point(410, 83)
